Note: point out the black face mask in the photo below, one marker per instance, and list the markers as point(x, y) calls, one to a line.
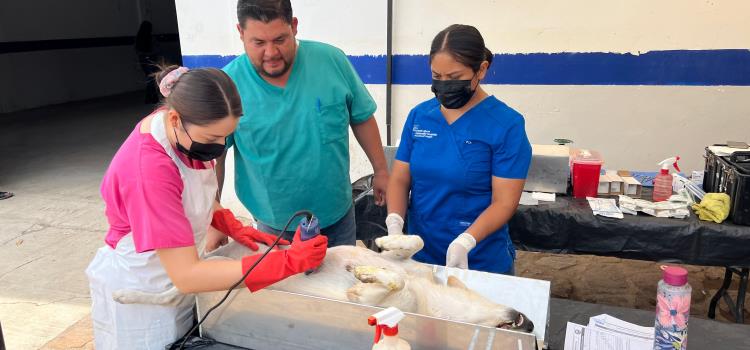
point(199, 151)
point(453, 94)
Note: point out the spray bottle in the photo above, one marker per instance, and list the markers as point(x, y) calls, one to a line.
point(386, 323)
point(663, 181)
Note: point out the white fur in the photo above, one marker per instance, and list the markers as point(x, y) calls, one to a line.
point(390, 278)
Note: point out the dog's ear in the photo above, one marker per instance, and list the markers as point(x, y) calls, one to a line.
point(453, 281)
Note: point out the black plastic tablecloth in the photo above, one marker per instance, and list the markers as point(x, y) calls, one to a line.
point(568, 226)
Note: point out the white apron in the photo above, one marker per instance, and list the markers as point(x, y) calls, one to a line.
point(134, 326)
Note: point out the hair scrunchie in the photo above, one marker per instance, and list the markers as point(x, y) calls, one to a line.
point(166, 84)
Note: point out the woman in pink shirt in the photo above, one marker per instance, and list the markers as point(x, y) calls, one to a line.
point(160, 192)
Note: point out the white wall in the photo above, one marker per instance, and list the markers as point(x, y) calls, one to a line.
point(528, 26)
point(635, 130)
point(356, 26)
point(633, 126)
point(32, 79)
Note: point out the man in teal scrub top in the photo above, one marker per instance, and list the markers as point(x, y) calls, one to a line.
point(291, 147)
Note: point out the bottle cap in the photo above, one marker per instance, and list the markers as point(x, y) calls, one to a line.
point(391, 331)
point(674, 275)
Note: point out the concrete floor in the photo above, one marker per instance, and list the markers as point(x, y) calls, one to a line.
point(53, 160)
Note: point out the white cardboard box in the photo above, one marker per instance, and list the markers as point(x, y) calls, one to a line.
point(632, 187)
point(604, 185)
point(616, 183)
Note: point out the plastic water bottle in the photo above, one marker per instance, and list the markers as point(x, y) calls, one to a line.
point(672, 310)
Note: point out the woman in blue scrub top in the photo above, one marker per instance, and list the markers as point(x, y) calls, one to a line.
point(463, 157)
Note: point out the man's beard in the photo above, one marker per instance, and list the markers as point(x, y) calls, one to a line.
point(277, 74)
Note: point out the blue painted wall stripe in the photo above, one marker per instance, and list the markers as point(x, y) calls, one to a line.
point(196, 61)
point(370, 68)
point(674, 67)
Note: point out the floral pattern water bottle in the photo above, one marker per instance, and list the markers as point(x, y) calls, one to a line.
point(672, 309)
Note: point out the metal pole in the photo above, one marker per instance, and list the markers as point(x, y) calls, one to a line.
point(2, 341)
point(389, 73)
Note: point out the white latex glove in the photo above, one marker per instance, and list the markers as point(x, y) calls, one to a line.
point(458, 251)
point(395, 224)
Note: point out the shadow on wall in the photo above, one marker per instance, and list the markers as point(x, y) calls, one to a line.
point(76, 62)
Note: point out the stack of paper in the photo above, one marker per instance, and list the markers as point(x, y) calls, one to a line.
point(675, 207)
point(605, 207)
point(605, 332)
point(533, 198)
point(543, 196)
point(528, 199)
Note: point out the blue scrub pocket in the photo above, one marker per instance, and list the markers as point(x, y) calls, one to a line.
point(333, 121)
point(477, 157)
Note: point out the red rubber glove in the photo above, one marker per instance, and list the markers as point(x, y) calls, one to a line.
point(248, 236)
point(277, 265)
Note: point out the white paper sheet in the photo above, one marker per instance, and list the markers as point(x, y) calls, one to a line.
point(543, 196)
point(605, 207)
point(578, 337)
point(610, 323)
point(528, 199)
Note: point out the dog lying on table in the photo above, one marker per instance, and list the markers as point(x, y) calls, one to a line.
point(388, 278)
